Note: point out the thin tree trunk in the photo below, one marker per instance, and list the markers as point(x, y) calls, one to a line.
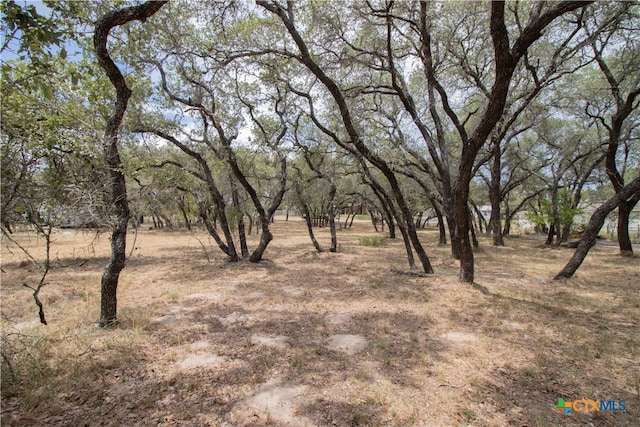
point(551, 232)
point(109, 282)
point(442, 240)
point(235, 198)
point(332, 217)
point(211, 228)
point(384, 198)
point(183, 210)
point(555, 211)
point(588, 240)
point(494, 195)
point(307, 218)
point(374, 220)
point(474, 239)
point(250, 223)
point(332, 230)
point(384, 203)
point(566, 230)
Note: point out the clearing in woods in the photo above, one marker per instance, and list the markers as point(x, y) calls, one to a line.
point(318, 339)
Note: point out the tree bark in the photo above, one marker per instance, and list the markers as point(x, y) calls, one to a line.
point(442, 239)
point(550, 234)
point(494, 195)
point(507, 218)
point(588, 240)
point(624, 240)
point(235, 198)
point(109, 282)
point(332, 218)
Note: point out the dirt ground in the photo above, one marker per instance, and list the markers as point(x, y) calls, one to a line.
point(318, 339)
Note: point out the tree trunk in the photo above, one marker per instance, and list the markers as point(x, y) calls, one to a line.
point(307, 218)
point(566, 230)
point(624, 240)
point(461, 238)
point(442, 240)
point(494, 197)
point(183, 210)
point(211, 228)
point(235, 197)
point(588, 240)
point(551, 232)
point(395, 218)
point(250, 224)
point(481, 218)
point(265, 238)
point(507, 218)
point(109, 282)
point(374, 220)
point(474, 239)
point(332, 230)
point(384, 203)
point(455, 243)
point(332, 217)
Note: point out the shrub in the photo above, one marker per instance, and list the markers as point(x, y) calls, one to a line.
point(373, 241)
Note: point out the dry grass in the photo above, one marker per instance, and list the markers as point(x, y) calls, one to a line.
point(190, 349)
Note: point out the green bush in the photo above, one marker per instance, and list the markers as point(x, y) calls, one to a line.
point(373, 241)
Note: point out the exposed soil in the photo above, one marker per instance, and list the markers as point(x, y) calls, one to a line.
point(318, 339)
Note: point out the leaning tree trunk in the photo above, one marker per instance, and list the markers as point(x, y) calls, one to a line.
point(442, 239)
point(588, 240)
point(307, 218)
point(109, 283)
point(396, 217)
point(183, 210)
